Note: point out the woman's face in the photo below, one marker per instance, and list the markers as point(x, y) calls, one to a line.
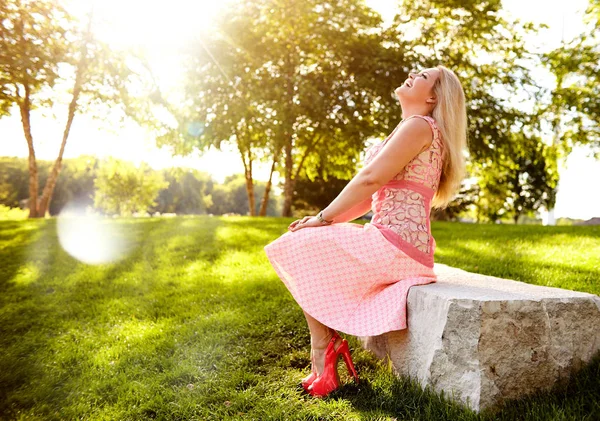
point(418, 88)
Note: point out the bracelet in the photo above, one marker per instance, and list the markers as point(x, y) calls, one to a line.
point(320, 217)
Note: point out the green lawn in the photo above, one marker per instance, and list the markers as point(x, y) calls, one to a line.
point(195, 325)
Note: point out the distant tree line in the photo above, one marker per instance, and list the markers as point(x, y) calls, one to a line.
point(117, 187)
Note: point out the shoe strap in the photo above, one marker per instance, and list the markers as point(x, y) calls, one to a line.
point(332, 341)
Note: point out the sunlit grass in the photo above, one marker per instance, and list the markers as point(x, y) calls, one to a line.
point(195, 324)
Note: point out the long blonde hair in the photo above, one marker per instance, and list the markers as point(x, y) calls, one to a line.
point(450, 114)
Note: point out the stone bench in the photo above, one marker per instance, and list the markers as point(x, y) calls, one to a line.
point(483, 339)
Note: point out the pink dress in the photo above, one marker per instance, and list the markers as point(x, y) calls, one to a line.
point(355, 278)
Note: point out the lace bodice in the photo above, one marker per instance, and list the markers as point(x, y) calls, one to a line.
point(404, 203)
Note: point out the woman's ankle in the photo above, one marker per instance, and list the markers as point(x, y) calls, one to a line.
point(325, 344)
point(321, 344)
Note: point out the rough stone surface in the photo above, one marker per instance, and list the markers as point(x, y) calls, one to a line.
point(483, 339)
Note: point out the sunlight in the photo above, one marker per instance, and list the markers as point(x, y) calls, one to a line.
point(161, 30)
point(152, 24)
point(90, 238)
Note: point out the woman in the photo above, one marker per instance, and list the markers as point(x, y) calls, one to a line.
point(355, 278)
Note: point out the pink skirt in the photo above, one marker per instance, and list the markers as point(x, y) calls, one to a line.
point(348, 276)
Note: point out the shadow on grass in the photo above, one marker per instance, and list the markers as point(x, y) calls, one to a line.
point(192, 319)
point(164, 318)
point(69, 303)
point(575, 399)
point(16, 238)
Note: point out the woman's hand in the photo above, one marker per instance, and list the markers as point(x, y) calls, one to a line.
point(307, 221)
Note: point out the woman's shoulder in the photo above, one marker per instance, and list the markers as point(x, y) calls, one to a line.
point(432, 123)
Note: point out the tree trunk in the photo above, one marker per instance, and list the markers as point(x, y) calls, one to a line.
point(250, 191)
point(54, 173)
point(25, 109)
point(53, 176)
point(289, 165)
point(247, 176)
point(265, 199)
point(288, 187)
point(558, 111)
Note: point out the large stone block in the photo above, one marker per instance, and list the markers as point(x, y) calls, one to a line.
point(484, 339)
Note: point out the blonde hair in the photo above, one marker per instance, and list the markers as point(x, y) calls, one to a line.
point(450, 114)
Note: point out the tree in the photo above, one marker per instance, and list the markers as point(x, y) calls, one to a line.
point(76, 183)
point(466, 198)
point(531, 175)
point(518, 179)
point(314, 195)
point(13, 181)
point(39, 43)
point(517, 171)
point(123, 189)
point(32, 41)
point(573, 107)
point(278, 80)
point(305, 84)
point(188, 192)
point(231, 197)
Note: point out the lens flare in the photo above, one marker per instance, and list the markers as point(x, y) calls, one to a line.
point(195, 128)
point(90, 238)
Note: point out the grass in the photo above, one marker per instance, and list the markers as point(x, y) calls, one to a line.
point(194, 324)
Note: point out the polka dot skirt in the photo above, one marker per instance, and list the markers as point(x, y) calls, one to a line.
point(348, 276)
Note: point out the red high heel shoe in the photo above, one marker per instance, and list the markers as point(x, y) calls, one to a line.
point(329, 380)
point(308, 380)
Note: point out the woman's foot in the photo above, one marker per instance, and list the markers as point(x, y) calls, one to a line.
point(318, 351)
point(307, 381)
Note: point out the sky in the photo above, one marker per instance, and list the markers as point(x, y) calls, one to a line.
point(182, 19)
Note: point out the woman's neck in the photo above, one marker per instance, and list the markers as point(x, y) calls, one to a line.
point(409, 111)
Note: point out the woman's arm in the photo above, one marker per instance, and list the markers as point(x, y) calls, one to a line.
point(404, 145)
point(355, 212)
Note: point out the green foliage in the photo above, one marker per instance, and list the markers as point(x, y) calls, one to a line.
point(303, 85)
point(7, 213)
point(461, 207)
point(123, 189)
point(33, 41)
point(519, 178)
point(316, 83)
point(314, 195)
point(186, 193)
point(231, 196)
point(574, 106)
point(74, 184)
point(516, 171)
point(14, 180)
point(287, 85)
point(40, 37)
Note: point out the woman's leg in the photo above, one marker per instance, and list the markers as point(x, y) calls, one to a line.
point(320, 335)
